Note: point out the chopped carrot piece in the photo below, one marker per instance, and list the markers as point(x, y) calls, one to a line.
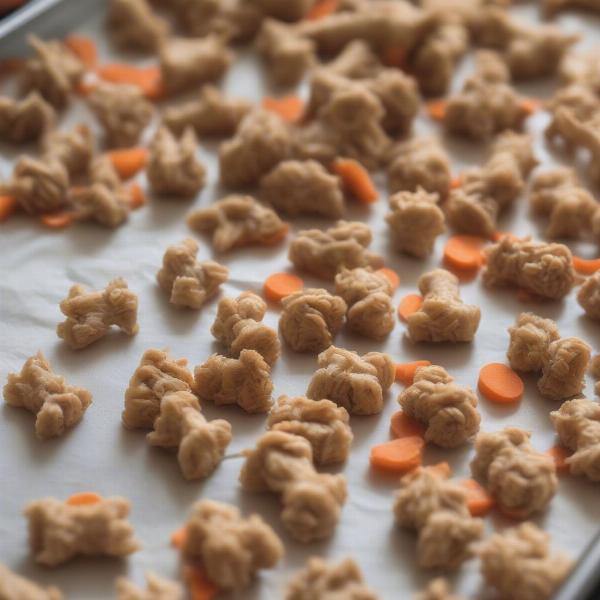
point(356, 179)
point(198, 584)
point(137, 198)
point(83, 499)
point(401, 426)
point(456, 182)
point(398, 456)
point(560, 454)
point(530, 105)
point(408, 305)
point(148, 79)
point(280, 285)
point(322, 8)
point(479, 502)
point(178, 538)
point(405, 372)
point(463, 252)
point(277, 237)
point(289, 108)
point(587, 267)
point(128, 161)
point(391, 276)
point(58, 220)
point(394, 56)
point(84, 48)
point(437, 109)
point(499, 235)
point(499, 383)
point(8, 205)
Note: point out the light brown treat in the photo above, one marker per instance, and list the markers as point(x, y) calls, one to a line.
point(325, 253)
point(543, 269)
point(25, 120)
point(91, 314)
point(588, 296)
point(237, 326)
point(231, 548)
point(291, 10)
point(322, 580)
point(356, 61)
point(521, 480)
point(581, 100)
point(577, 423)
point(415, 221)
point(490, 66)
point(356, 383)
point(438, 589)
point(261, 142)
point(368, 296)
point(437, 509)
point(74, 149)
point(580, 66)
point(122, 111)
point(211, 114)
point(180, 426)
point(552, 7)
point(245, 381)
point(236, 221)
point(448, 410)
point(134, 25)
point(102, 170)
point(529, 341)
point(325, 425)
point(101, 204)
point(157, 375)
point(282, 463)
point(60, 532)
point(15, 587)
point(310, 319)
point(57, 404)
point(519, 564)
point(297, 187)
point(157, 588)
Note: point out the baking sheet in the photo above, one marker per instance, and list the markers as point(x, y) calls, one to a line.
point(38, 266)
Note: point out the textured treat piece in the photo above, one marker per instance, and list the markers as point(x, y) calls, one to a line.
point(157, 375)
point(543, 269)
point(322, 580)
point(588, 296)
point(310, 319)
point(15, 587)
point(438, 589)
point(577, 423)
point(419, 163)
point(59, 531)
point(262, 141)
point(282, 463)
point(552, 7)
point(122, 111)
point(180, 426)
point(236, 221)
point(25, 120)
point(437, 509)
point(231, 548)
point(520, 565)
point(354, 382)
point(189, 62)
point(356, 61)
point(529, 341)
point(74, 149)
point(157, 588)
point(91, 314)
point(368, 296)
point(521, 480)
point(443, 316)
point(448, 410)
point(173, 168)
point(321, 422)
point(134, 25)
point(211, 114)
point(237, 326)
point(56, 404)
point(325, 253)
point(245, 381)
point(189, 282)
point(415, 221)
point(296, 187)
point(579, 97)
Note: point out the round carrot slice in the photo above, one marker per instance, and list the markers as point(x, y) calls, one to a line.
point(479, 502)
point(401, 425)
point(408, 305)
point(83, 499)
point(391, 276)
point(178, 538)
point(559, 455)
point(499, 383)
point(405, 372)
point(587, 267)
point(398, 456)
point(464, 252)
point(280, 285)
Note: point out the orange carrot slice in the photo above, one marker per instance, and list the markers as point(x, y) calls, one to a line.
point(83, 499)
point(178, 538)
point(437, 109)
point(499, 383)
point(456, 182)
point(587, 267)
point(356, 179)
point(148, 79)
point(200, 587)
point(128, 161)
point(58, 220)
point(530, 105)
point(559, 455)
point(401, 426)
point(398, 456)
point(8, 205)
point(289, 108)
point(394, 56)
point(408, 305)
point(391, 276)
point(405, 372)
point(280, 285)
point(464, 252)
point(137, 198)
point(479, 502)
point(84, 48)
point(323, 8)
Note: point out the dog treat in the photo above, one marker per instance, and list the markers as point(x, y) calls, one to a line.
point(189, 282)
point(310, 319)
point(588, 296)
point(122, 111)
point(236, 221)
point(356, 61)
point(15, 587)
point(529, 341)
point(157, 375)
point(438, 589)
point(180, 425)
point(543, 269)
point(59, 531)
point(211, 114)
point(519, 563)
point(230, 548)
point(297, 187)
point(368, 296)
point(245, 381)
point(25, 120)
point(91, 314)
point(321, 422)
point(577, 423)
point(322, 580)
point(521, 480)
point(57, 404)
point(357, 383)
point(282, 463)
point(74, 149)
point(157, 588)
point(325, 253)
point(437, 509)
point(134, 25)
point(448, 410)
point(415, 221)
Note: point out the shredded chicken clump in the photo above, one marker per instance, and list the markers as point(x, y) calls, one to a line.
point(357, 383)
point(57, 404)
point(282, 463)
point(25, 120)
point(134, 25)
point(588, 296)
point(157, 588)
point(529, 341)
point(15, 587)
